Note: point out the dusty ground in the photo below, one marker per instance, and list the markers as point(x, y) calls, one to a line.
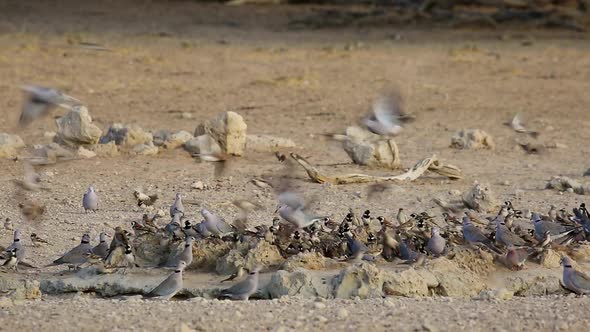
point(169, 58)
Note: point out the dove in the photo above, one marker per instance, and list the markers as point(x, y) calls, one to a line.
point(384, 117)
point(102, 248)
point(186, 255)
point(16, 243)
point(243, 289)
point(356, 247)
point(177, 206)
point(297, 217)
point(173, 228)
point(237, 275)
point(574, 280)
point(90, 200)
point(436, 244)
point(77, 255)
point(515, 258)
point(541, 226)
point(37, 241)
point(171, 285)
point(474, 235)
point(505, 237)
point(216, 225)
point(40, 101)
point(11, 261)
point(517, 125)
point(202, 230)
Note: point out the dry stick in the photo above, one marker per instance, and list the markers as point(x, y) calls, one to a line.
point(431, 164)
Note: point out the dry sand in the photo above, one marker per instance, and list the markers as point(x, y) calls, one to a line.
point(169, 58)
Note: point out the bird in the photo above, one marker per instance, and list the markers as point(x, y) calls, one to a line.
point(515, 258)
point(356, 248)
point(37, 240)
point(16, 243)
point(237, 275)
point(505, 237)
point(145, 199)
point(474, 235)
point(541, 226)
point(40, 101)
point(77, 256)
point(129, 257)
point(401, 217)
point(170, 286)
point(185, 255)
point(215, 225)
point(102, 248)
point(11, 261)
point(574, 280)
point(517, 125)
point(384, 118)
point(552, 214)
point(177, 206)
point(243, 289)
point(90, 200)
point(436, 244)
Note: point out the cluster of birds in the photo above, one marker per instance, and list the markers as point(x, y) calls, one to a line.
point(409, 238)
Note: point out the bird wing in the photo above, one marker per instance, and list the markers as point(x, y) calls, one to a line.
point(166, 287)
point(242, 287)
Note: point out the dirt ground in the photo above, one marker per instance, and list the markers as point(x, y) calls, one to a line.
point(167, 58)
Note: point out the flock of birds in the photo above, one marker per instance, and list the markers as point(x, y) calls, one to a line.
point(408, 237)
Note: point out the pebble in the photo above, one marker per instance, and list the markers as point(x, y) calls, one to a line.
point(342, 313)
point(319, 305)
point(198, 185)
point(322, 319)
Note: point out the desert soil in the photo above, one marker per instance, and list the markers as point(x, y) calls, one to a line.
point(169, 58)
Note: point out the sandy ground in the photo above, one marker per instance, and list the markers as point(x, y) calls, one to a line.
point(166, 59)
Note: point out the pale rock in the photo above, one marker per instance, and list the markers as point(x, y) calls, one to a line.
point(481, 198)
point(198, 185)
point(563, 183)
point(502, 294)
point(144, 149)
point(366, 148)
point(76, 128)
point(9, 145)
point(202, 143)
point(472, 139)
point(261, 254)
point(228, 129)
point(177, 139)
point(109, 149)
point(85, 153)
point(550, 259)
point(126, 135)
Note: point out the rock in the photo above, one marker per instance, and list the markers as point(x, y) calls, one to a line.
point(160, 136)
point(502, 294)
point(311, 261)
point(208, 251)
point(177, 139)
point(480, 262)
point(405, 283)
point(261, 254)
point(535, 283)
point(76, 128)
point(124, 135)
point(267, 143)
point(52, 151)
point(182, 327)
point(319, 305)
point(299, 282)
point(203, 142)
point(455, 280)
point(144, 150)
point(6, 302)
point(472, 139)
point(563, 183)
point(228, 129)
point(366, 148)
point(85, 153)
point(109, 149)
point(152, 249)
point(198, 185)
point(20, 289)
point(9, 145)
point(481, 198)
point(342, 313)
point(550, 259)
point(580, 253)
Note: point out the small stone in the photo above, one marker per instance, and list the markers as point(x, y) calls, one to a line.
point(342, 313)
point(505, 183)
point(144, 150)
point(186, 115)
point(177, 139)
point(109, 149)
point(321, 319)
point(319, 305)
point(228, 129)
point(76, 128)
point(198, 185)
point(85, 153)
point(570, 190)
point(9, 145)
point(49, 134)
point(126, 135)
point(472, 139)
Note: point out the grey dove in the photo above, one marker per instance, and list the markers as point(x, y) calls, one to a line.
point(17, 243)
point(102, 248)
point(574, 280)
point(216, 225)
point(76, 256)
point(505, 237)
point(90, 200)
point(243, 289)
point(384, 117)
point(541, 226)
point(186, 255)
point(356, 247)
point(40, 101)
point(436, 244)
point(177, 205)
point(171, 285)
point(474, 235)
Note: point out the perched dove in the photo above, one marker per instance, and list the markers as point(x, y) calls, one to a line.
point(177, 206)
point(40, 101)
point(541, 226)
point(505, 237)
point(186, 255)
point(76, 256)
point(515, 258)
point(90, 200)
point(384, 117)
point(243, 289)
point(216, 225)
point(474, 235)
point(574, 280)
point(436, 244)
point(102, 248)
point(171, 285)
point(356, 247)
point(16, 243)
